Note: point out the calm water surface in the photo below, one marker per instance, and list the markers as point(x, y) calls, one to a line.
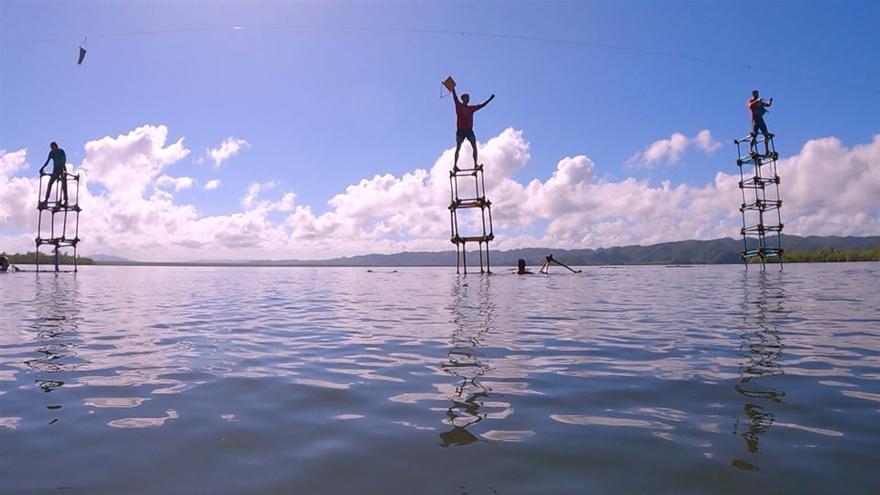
point(617, 380)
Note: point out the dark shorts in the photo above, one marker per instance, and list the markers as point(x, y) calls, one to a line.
point(58, 172)
point(758, 124)
point(462, 134)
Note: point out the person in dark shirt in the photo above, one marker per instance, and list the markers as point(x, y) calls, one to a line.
point(5, 266)
point(59, 171)
point(757, 108)
point(464, 116)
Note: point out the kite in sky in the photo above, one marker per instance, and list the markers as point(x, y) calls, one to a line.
point(82, 51)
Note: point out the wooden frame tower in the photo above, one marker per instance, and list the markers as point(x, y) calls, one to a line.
point(58, 222)
point(477, 200)
point(761, 209)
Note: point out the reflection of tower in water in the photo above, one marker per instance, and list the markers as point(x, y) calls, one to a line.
point(760, 347)
point(56, 321)
point(472, 323)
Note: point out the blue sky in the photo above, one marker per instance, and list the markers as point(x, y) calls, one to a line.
point(325, 98)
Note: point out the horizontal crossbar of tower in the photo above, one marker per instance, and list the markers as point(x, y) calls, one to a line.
point(762, 205)
point(470, 203)
point(475, 238)
point(59, 241)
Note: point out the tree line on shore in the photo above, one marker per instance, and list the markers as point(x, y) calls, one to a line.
point(714, 251)
point(30, 258)
point(832, 254)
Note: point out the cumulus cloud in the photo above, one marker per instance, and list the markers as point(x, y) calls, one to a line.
point(286, 203)
point(572, 208)
point(18, 195)
point(227, 149)
point(829, 189)
point(212, 184)
point(178, 183)
point(668, 151)
point(12, 161)
point(127, 164)
point(704, 141)
point(131, 215)
point(250, 198)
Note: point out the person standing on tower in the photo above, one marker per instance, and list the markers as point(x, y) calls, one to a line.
point(59, 172)
point(758, 107)
point(464, 119)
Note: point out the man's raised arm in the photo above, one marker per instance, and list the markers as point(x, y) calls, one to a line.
point(481, 105)
point(455, 96)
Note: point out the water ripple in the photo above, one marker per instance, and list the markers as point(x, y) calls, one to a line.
point(298, 380)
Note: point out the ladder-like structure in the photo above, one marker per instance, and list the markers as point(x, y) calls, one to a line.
point(760, 211)
point(478, 200)
point(58, 222)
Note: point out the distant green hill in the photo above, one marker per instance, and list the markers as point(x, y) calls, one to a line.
point(30, 258)
point(715, 251)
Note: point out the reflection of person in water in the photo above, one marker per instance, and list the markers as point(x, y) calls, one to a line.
point(5, 266)
point(56, 330)
point(761, 347)
point(465, 363)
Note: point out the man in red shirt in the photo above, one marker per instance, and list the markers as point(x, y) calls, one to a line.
point(758, 107)
point(464, 117)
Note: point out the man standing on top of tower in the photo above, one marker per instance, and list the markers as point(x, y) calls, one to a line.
point(464, 118)
point(758, 108)
point(59, 172)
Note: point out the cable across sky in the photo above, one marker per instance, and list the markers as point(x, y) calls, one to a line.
point(520, 37)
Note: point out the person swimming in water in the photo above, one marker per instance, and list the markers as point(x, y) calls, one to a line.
point(5, 266)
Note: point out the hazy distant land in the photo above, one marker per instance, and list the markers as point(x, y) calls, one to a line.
point(692, 252)
point(716, 251)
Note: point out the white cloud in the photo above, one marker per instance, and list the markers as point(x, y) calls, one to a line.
point(178, 183)
point(832, 190)
point(285, 204)
point(227, 149)
point(250, 198)
point(704, 141)
point(212, 184)
point(127, 164)
point(668, 151)
point(18, 195)
point(12, 161)
point(130, 216)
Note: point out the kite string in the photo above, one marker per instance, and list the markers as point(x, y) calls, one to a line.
point(476, 34)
